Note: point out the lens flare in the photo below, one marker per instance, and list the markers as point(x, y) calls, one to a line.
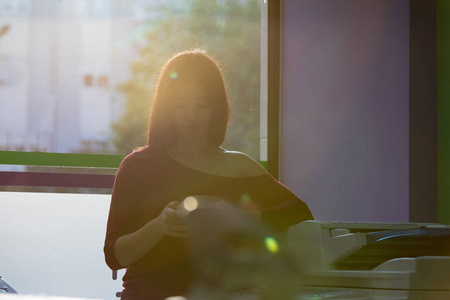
point(246, 200)
point(271, 244)
point(174, 75)
point(190, 203)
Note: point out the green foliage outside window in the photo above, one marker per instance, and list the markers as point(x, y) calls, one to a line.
point(227, 30)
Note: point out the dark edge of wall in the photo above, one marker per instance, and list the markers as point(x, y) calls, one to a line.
point(423, 130)
point(443, 33)
point(273, 88)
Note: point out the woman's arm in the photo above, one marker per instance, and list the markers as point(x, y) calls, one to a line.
point(127, 239)
point(130, 248)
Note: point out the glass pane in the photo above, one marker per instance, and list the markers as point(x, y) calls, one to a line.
point(78, 75)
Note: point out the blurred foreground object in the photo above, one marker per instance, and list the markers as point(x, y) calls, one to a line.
point(236, 257)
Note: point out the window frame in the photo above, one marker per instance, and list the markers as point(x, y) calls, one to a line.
point(269, 92)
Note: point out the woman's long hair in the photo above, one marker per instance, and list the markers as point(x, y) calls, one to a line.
point(193, 67)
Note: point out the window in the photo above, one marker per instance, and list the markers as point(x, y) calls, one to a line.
point(140, 36)
point(103, 81)
point(136, 46)
point(14, 7)
point(88, 80)
point(7, 72)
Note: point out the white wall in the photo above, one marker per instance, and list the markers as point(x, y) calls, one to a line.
point(345, 107)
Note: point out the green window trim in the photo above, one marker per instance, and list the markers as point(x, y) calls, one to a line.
point(60, 159)
point(66, 159)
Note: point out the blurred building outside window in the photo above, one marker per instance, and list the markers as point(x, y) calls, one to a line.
point(116, 48)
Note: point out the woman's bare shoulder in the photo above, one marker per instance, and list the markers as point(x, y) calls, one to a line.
point(243, 164)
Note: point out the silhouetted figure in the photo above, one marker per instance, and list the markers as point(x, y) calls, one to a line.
point(147, 230)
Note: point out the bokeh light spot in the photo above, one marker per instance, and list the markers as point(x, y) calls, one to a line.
point(190, 203)
point(174, 75)
point(271, 244)
point(246, 200)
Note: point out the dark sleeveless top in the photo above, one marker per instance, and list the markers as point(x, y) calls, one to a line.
point(147, 181)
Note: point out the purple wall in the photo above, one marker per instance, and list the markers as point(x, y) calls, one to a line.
point(345, 107)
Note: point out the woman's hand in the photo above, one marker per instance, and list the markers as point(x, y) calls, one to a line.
point(172, 221)
point(132, 247)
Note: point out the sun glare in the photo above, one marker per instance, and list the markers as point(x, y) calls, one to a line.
point(190, 203)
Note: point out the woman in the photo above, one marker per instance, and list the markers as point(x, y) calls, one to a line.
point(188, 121)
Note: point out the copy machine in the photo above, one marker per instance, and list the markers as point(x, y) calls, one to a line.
point(357, 260)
